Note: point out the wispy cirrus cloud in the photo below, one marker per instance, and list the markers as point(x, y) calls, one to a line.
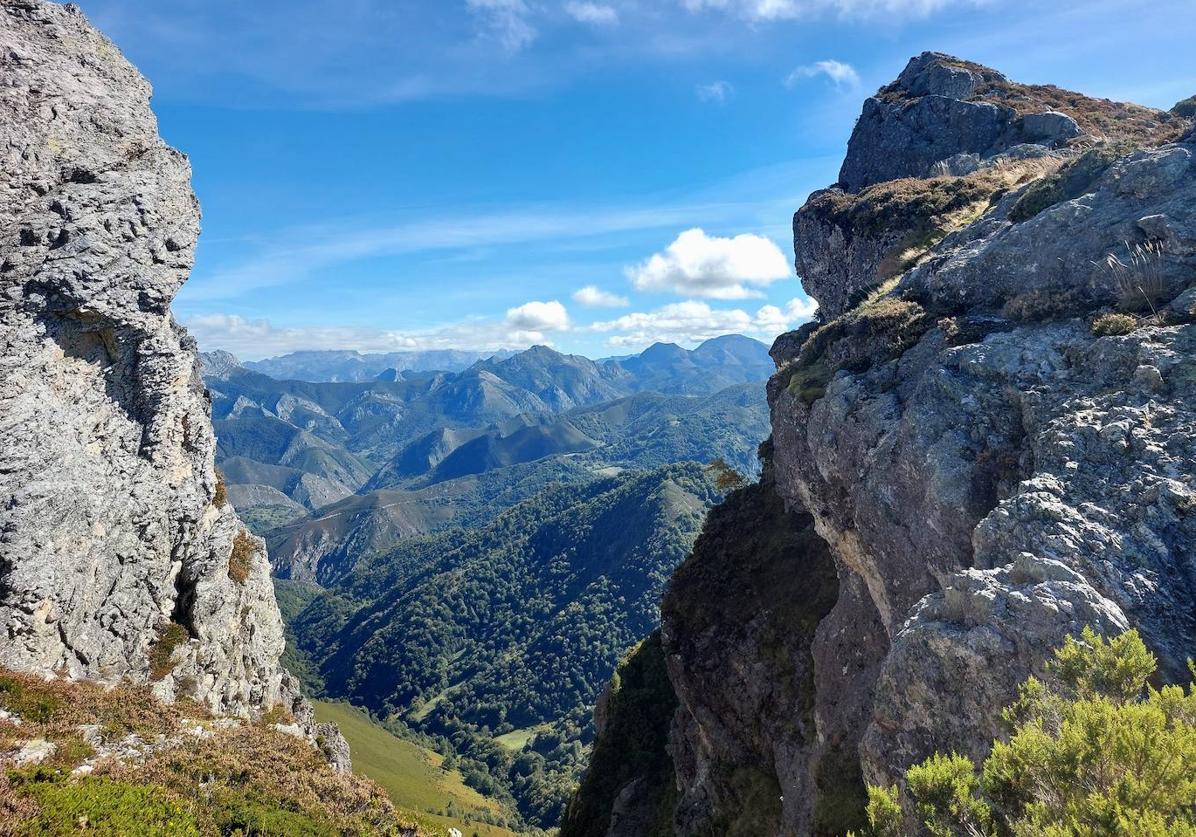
point(371, 52)
point(296, 255)
point(598, 14)
point(505, 21)
point(776, 10)
point(716, 91)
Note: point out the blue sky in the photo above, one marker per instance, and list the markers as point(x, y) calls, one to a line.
point(592, 174)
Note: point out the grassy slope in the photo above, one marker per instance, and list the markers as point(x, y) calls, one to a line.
point(410, 774)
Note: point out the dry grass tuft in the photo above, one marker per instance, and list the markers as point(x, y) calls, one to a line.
point(55, 709)
point(277, 714)
point(220, 497)
point(880, 328)
point(1138, 281)
point(240, 559)
point(170, 637)
point(1114, 325)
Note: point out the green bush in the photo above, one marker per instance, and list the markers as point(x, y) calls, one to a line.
point(1114, 325)
point(1094, 750)
point(238, 813)
point(32, 705)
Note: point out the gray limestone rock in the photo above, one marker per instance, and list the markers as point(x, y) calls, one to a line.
point(114, 557)
point(996, 492)
point(987, 474)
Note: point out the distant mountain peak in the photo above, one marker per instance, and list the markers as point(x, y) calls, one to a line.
point(218, 364)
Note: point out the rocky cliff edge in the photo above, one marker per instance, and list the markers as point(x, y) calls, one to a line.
point(989, 429)
point(119, 557)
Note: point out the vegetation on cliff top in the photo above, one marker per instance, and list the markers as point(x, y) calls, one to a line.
point(1096, 117)
point(1094, 749)
point(123, 762)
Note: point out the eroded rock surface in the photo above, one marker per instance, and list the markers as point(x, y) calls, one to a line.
point(994, 470)
point(117, 560)
point(990, 429)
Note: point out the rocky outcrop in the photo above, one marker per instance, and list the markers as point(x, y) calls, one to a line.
point(119, 560)
point(629, 788)
point(990, 430)
point(994, 469)
point(926, 157)
point(738, 623)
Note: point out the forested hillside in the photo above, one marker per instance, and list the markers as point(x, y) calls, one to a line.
point(499, 639)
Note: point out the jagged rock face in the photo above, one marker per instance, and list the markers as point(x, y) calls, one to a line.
point(989, 458)
point(928, 153)
point(738, 622)
point(108, 526)
point(929, 115)
point(1005, 476)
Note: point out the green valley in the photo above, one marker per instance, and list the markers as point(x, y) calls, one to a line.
point(415, 778)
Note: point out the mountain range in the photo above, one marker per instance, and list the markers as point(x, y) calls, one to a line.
point(346, 365)
point(329, 470)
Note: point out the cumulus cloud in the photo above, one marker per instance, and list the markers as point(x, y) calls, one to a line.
point(843, 76)
point(594, 297)
point(505, 21)
point(538, 317)
point(252, 339)
point(767, 10)
point(598, 14)
point(716, 91)
point(692, 321)
point(697, 264)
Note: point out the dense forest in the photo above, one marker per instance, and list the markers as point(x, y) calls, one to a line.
point(494, 643)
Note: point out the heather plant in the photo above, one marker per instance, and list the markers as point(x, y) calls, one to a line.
point(1094, 749)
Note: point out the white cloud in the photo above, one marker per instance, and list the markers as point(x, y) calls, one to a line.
point(767, 10)
point(594, 297)
point(258, 338)
point(843, 76)
point(693, 321)
point(539, 317)
point(296, 255)
point(697, 264)
point(716, 91)
point(598, 14)
point(505, 21)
